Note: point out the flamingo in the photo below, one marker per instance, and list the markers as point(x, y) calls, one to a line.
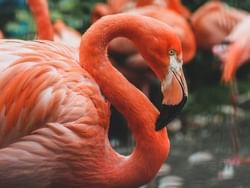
point(213, 21)
point(1, 35)
point(54, 111)
point(234, 49)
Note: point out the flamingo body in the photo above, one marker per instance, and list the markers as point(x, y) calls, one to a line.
point(237, 51)
point(213, 21)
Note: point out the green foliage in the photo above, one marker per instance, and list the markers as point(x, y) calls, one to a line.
point(75, 13)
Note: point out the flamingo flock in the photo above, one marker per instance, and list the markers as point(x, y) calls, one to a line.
point(56, 90)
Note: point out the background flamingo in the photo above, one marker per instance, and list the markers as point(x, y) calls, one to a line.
point(40, 11)
point(54, 119)
point(213, 21)
point(233, 52)
point(59, 31)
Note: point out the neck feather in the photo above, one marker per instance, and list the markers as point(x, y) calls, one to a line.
point(151, 147)
point(40, 11)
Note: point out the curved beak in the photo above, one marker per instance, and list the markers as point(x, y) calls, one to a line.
point(175, 92)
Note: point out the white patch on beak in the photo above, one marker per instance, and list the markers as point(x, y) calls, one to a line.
point(174, 67)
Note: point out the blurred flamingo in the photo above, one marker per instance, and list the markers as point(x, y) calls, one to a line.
point(234, 49)
point(54, 118)
point(174, 5)
point(40, 11)
point(46, 31)
point(233, 52)
point(213, 21)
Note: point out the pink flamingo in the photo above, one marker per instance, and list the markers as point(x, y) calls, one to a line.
point(213, 21)
point(233, 52)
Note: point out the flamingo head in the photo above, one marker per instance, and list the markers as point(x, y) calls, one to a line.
point(164, 55)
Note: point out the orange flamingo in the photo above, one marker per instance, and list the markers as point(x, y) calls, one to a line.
point(174, 5)
point(213, 21)
point(54, 118)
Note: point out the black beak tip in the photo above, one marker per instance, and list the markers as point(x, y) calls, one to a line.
point(168, 113)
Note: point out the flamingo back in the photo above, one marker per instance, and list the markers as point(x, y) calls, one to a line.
point(42, 82)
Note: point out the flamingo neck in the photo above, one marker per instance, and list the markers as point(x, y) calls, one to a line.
point(40, 11)
point(151, 147)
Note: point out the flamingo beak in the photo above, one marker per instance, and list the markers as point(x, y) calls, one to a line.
point(168, 113)
point(175, 93)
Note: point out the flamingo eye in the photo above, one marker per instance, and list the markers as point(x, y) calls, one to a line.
point(171, 52)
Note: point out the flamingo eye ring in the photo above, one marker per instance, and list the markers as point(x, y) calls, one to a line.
point(171, 52)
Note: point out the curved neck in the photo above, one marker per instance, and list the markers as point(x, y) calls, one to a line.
point(135, 107)
point(40, 11)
